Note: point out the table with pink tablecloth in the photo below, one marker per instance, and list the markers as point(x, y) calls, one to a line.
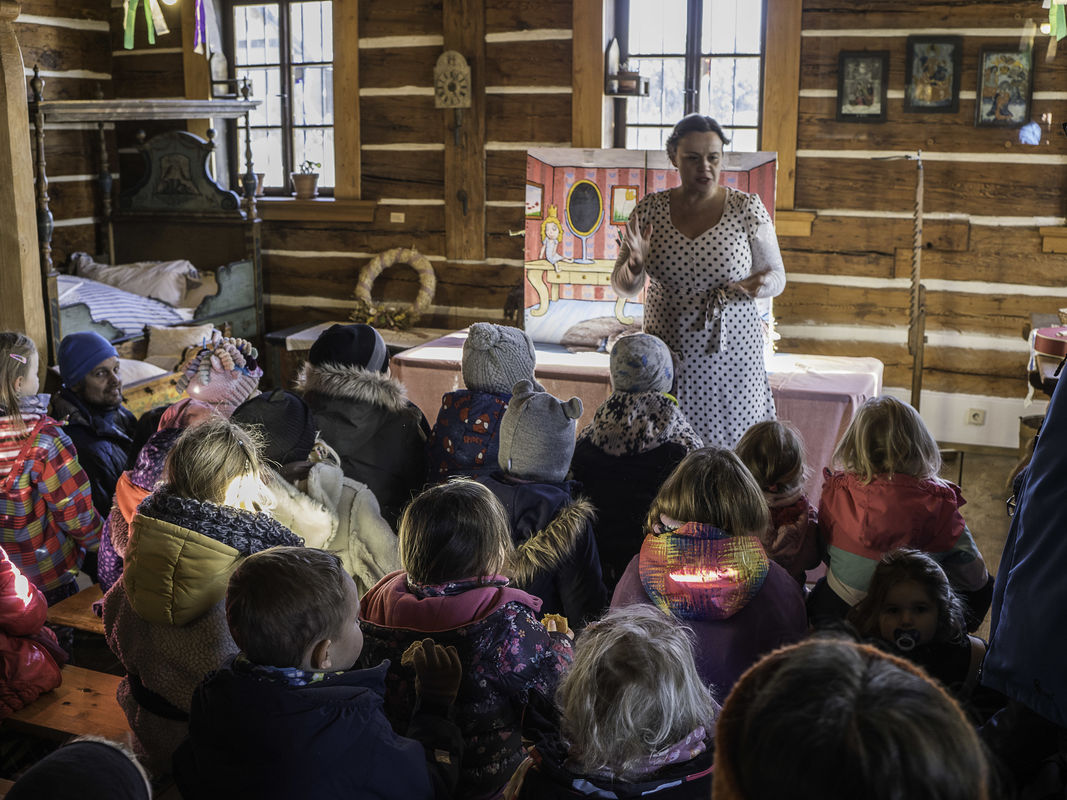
point(818, 394)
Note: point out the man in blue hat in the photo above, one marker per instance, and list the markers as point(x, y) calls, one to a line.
point(90, 401)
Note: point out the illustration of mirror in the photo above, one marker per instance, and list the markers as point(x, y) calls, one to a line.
point(585, 212)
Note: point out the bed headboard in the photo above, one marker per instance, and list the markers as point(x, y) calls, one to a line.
point(177, 178)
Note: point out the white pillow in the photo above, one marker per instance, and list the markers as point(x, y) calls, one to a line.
point(163, 280)
point(133, 371)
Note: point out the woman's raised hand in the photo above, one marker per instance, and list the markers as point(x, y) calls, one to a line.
point(637, 240)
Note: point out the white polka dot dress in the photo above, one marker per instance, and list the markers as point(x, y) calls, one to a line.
point(722, 383)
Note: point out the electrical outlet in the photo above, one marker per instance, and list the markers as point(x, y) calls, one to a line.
point(396, 217)
point(976, 416)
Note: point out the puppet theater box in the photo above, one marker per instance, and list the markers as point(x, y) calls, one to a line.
point(577, 202)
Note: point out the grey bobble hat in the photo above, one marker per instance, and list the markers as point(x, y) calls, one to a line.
point(641, 362)
point(496, 357)
point(537, 434)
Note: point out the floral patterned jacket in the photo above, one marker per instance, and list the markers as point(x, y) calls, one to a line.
point(508, 658)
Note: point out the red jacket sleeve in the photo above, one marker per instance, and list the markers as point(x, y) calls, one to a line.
point(22, 606)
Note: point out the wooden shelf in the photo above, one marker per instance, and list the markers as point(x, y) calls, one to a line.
point(142, 109)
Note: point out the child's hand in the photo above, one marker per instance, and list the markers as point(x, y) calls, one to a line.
point(557, 623)
point(437, 670)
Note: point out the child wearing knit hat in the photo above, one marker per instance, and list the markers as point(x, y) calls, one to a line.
point(636, 439)
point(556, 556)
point(465, 437)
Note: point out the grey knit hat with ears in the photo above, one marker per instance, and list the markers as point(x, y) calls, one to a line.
point(641, 362)
point(496, 357)
point(537, 434)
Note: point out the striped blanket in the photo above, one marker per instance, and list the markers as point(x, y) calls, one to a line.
point(126, 311)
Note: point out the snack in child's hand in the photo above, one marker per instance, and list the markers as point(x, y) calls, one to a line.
point(557, 623)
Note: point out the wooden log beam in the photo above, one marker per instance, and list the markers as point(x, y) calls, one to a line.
point(346, 107)
point(587, 95)
point(196, 72)
point(464, 31)
point(781, 69)
point(20, 270)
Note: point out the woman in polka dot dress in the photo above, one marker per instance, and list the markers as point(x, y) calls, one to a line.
point(709, 251)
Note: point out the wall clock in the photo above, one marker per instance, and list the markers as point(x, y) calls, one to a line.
point(452, 81)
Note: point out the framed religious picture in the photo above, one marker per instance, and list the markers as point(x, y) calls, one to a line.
point(862, 76)
point(932, 74)
point(1005, 85)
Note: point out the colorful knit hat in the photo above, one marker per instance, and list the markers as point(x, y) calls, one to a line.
point(222, 373)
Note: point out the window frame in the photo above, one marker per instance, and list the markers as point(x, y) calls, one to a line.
point(285, 68)
point(693, 58)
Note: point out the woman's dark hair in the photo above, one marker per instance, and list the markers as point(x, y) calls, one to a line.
point(693, 123)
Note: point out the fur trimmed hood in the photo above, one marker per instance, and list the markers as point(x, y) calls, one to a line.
point(545, 550)
point(353, 383)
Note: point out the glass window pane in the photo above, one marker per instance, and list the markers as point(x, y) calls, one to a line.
point(266, 156)
point(665, 103)
point(742, 140)
point(732, 26)
point(311, 32)
point(255, 34)
point(647, 138)
point(312, 95)
point(315, 144)
point(729, 90)
point(657, 26)
point(266, 86)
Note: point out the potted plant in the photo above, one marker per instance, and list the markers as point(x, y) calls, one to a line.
point(306, 181)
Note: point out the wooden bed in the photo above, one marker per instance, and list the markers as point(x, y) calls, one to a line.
point(175, 210)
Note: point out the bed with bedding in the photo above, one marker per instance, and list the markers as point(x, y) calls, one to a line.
point(181, 250)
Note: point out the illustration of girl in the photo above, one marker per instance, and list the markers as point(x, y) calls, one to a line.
point(552, 239)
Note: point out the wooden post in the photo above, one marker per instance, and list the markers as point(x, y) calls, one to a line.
point(781, 94)
point(21, 296)
point(195, 70)
point(464, 31)
point(587, 82)
point(346, 138)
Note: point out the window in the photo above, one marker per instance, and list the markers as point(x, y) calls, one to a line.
point(699, 56)
point(285, 48)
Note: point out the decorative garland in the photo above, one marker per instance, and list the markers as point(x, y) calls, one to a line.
point(394, 315)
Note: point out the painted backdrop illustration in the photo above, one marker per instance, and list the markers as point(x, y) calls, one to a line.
point(577, 203)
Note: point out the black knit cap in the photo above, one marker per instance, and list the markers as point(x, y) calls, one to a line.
point(286, 421)
point(357, 345)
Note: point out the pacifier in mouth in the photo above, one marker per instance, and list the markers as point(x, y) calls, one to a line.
point(905, 639)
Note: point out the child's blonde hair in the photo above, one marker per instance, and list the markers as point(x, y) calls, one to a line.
point(454, 530)
point(16, 352)
point(885, 437)
point(712, 486)
point(552, 216)
point(905, 564)
point(218, 461)
point(774, 455)
point(632, 690)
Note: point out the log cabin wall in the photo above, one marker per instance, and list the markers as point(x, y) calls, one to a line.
point(986, 199)
point(521, 72)
point(70, 41)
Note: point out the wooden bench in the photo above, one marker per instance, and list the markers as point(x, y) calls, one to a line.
point(77, 611)
point(84, 704)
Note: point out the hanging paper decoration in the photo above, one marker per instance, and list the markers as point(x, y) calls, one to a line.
point(1057, 21)
point(153, 16)
point(200, 32)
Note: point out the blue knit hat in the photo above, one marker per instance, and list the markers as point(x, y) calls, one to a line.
point(79, 353)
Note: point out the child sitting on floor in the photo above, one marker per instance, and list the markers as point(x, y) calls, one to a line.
point(555, 555)
point(454, 542)
point(164, 618)
point(47, 518)
point(911, 610)
point(290, 717)
point(313, 497)
point(466, 436)
point(886, 494)
point(636, 439)
point(774, 455)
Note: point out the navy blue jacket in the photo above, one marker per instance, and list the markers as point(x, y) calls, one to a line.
point(253, 737)
point(1027, 649)
point(103, 440)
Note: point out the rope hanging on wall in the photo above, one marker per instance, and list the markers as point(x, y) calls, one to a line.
point(397, 316)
